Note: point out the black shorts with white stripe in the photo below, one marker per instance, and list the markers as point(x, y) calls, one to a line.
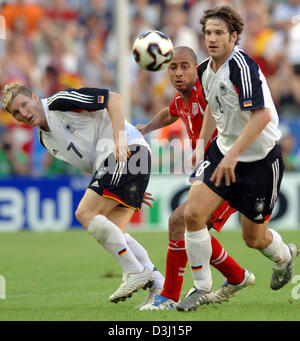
point(257, 183)
point(125, 182)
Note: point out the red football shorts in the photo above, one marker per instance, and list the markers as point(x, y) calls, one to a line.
point(221, 215)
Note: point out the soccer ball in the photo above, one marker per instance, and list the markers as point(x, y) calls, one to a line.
point(153, 50)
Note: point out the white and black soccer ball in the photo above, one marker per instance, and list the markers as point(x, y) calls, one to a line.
point(153, 50)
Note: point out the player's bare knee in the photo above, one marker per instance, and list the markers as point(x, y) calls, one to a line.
point(83, 216)
point(176, 226)
point(79, 214)
point(193, 218)
point(251, 241)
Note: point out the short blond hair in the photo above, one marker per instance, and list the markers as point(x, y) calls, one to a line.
point(12, 90)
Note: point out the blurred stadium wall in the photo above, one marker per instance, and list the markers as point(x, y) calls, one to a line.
point(40, 204)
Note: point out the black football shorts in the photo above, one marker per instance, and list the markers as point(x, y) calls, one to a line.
point(124, 182)
point(257, 183)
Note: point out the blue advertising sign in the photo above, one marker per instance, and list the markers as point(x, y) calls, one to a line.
point(40, 204)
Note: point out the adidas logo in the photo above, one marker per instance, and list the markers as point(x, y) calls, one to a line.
point(95, 184)
point(259, 217)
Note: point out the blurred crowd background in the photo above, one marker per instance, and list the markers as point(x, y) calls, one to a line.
point(52, 45)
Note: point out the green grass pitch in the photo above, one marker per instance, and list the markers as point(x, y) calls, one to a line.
point(67, 276)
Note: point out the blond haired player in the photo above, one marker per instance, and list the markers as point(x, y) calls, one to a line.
point(86, 128)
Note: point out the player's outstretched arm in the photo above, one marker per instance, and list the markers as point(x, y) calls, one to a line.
point(207, 130)
point(257, 123)
point(208, 126)
point(160, 120)
point(116, 112)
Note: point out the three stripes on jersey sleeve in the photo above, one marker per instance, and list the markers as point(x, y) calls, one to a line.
point(245, 74)
point(72, 95)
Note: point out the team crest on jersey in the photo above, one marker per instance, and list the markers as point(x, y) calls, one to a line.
point(195, 109)
point(68, 125)
point(133, 188)
point(223, 89)
point(100, 172)
point(260, 204)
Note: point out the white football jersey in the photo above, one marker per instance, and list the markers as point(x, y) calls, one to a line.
point(80, 128)
point(232, 92)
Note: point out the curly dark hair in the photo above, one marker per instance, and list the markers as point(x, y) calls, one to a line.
point(229, 15)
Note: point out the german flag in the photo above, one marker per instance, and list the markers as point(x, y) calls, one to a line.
point(196, 268)
point(100, 99)
point(122, 252)
point(248, 104)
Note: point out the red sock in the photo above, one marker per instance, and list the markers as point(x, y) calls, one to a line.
point(224, 263)
point(175, 267)
point(177, 260)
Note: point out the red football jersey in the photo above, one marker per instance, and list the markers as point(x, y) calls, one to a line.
point(192, 115)
point(192, 112)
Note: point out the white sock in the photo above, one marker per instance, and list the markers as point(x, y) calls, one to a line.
point(112, 239)
point(142, 256)
point(198, 249)
point(277, 251)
